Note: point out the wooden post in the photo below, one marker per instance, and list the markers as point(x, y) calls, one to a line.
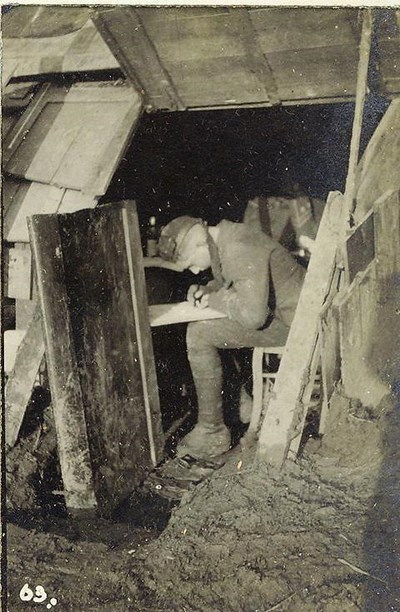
point(362, 73)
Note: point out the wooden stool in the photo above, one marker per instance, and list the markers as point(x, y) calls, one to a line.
point(261, 359)
point(261, 356)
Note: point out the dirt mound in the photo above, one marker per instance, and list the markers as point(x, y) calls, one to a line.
point(321, 535)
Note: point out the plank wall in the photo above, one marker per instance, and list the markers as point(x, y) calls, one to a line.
point(368, 323)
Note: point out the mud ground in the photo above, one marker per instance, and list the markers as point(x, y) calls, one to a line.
point(320, 535)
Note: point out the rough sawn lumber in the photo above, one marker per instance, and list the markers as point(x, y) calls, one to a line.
point(286, 413)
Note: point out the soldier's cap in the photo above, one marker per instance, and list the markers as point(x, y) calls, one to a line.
point(173, 235)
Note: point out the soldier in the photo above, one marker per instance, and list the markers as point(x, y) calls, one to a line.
point(256, 283)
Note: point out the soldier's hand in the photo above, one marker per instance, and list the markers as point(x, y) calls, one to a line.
point(195, 294)
point(202, 302)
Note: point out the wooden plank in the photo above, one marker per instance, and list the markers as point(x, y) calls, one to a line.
point(183, 34)
point(285, 410)
point(141, 313)
point(293, 29)
point(19, 386)
point(106, 349)
point(361, 88)
point(182, 39)
point(217, 81)
point(13, 193)
point(330, 356)
point(24, 125)
point(9, 68)
point(387, 238)
point(55, 151)
point(377, 172)
point(110, 156)
point(305, 398)
point(49, 141)
point(99, 286)
point(19, 284)
point(306, 74)
point(123, 31)
point(64, 378)
point(257, 61)
point(12, 339)
point(39, 199)
point(74, 200)
point(24, 310)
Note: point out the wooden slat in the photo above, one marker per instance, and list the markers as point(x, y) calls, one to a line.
point(286, 413)
point(330, 356)
point(124, 33)
point(20, 383)
point(73, 446)
point(12, 195)
point(38, 199)
point(141, 313)
point(257, 61)
point(24, 125)
point(20, 273)
point(361, 90)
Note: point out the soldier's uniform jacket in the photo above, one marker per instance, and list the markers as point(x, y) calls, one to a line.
point(254, 277)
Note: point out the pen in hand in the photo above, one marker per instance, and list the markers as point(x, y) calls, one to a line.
point(197, 297)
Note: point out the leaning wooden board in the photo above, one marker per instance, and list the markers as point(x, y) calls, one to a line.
point(283, 424)
point(99, 352)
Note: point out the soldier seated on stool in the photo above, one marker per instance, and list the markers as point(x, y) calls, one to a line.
point(256, 283)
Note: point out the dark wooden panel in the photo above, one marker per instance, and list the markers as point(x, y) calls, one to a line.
point(103, 280)
point(360, 247)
